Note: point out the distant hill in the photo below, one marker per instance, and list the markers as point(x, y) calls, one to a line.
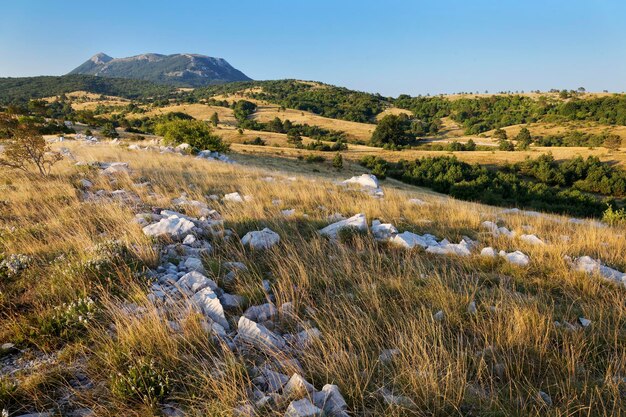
point(15, 90)
point(182, 70)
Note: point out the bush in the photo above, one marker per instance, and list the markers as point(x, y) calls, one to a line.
point(613, 216)
point(194, 132)
point(257, 141)
point(69, 320)
point(338, 161)
point(143, 382)
point(314, 158)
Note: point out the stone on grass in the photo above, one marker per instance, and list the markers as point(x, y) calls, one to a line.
point(516, 258)
point(358, 221)
point(417, 201)
point(194, 264)
point(365, 180)
point(116, 168)
point(275, 381)
point(297, 387)
point(261, 239)
point(259, 336)
point(447, 248)
point(387, 355)
point(173, 227)
point(410, 240)
point(194, 281)
point(261, 312)
point(546, 398)
point(303, 408)
point(584, 322)
point(383, 231)
point(471, 308)
point(210, 305)
point(233, 197)
point(488, 252)
point(288, 213)
point(532, 239)
point(592, 266)
point(306, 337)
point(438, 315)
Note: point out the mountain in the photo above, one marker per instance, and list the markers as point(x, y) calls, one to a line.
point(182, 70)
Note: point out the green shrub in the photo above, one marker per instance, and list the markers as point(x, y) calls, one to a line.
point(143, 382)
point(69, 320)
point(314, 158)
point(614, 216)
point(196, 133)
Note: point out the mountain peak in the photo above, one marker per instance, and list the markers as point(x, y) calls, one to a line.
point(100, 58)
point(185, 70)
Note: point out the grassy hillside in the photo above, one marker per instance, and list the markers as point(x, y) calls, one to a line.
point(399, 332)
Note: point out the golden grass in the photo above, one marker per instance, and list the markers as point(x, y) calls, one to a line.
point(363, 296)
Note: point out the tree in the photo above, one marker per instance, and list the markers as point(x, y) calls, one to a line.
point(523, 139)
point(470, 145)
point(338, 161)
point(293, 136)
point(196, 133)
point(393, 130)
point(243, 109)
point(276, 125)
point(506, 145)
point(500, 134)
point(214, 119)
point(108, 131)
point(26, 148)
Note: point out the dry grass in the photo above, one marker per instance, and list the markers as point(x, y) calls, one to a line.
point(363, 296)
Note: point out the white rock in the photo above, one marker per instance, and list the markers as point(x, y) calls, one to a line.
point(194, 281)
point(471, 308)
point(447, 248)
point(259, 336)
point(488, 252)
point(275, 380)
point(334, 405)
point(233, 197)
point(584, 322)
point(194, 264)
point(532, 239)
point(116, 168)
point(173, 227)
point(357, 221)
point(365, 180)
point(297, 386)
point(387, 355)
point(497, 231)
point(86, 184)
point(592, 266)
point(383, 231)
point(516, 258)
point(288, 213)
point(303, 408)
point(261, 312)
point(417, 201)
point(438, 315)
point(409, 240)
point(261, 239)
point(210, 304)
point(189, 240)
point(306, 337)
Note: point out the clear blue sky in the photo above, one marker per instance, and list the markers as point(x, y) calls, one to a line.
point(386, 46)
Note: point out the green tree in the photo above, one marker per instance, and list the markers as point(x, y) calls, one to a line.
point(214, 119)
point(26, 148)
point(196, 133)
point(338, 161)
point(293, 136)
point(500, 134)
point(108, 131)
point(523, 139)
point(242, 109)
point(393, 130)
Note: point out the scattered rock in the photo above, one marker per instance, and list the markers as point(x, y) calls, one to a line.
point(210, 305)
point(297, 387)
point(516, 258)
point(259, 336)
point(261, 239)
point(532, 239)
point(303, 408)
point(173, 227)
point(357, 221)
point(233, 197)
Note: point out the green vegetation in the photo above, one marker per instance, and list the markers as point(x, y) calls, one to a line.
point(549, 186)
point(393, 131)
point(21, 90)
point(196, 133)
point(577, 138)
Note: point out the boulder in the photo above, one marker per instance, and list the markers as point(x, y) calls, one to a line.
point(194, 264)
point(532, 239)
point(233, 197)
point(210, 305)
point(303, 408)
point(447, 248)
point(365, 180)
point(261, 239)
point(259, 336)
point(116, 168)
point(194, 281)
point(488, 252)
point(383, 231)
point(297, 387)
point(592, 266)
point(357, 221)
point(410, 240)
point(173, 227)
point(261, 312)
point(516, 258)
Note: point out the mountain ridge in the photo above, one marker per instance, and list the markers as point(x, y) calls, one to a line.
point(182, 70)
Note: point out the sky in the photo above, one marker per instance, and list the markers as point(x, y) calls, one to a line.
point(389, 47)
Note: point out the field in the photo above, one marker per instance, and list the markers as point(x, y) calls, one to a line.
point(493, 350)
